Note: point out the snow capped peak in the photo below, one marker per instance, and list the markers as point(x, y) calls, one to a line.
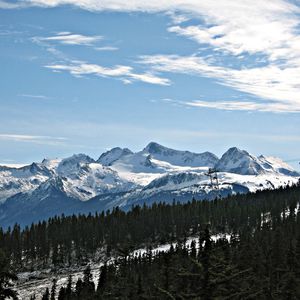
point(179, 157)
point(239, 161)
point(109, 157)
point(33, 169)
point(71, 165)
point(154, 147)
point(78, 158)
point(235, 151)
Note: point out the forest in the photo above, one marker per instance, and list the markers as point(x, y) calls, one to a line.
point(260, 261)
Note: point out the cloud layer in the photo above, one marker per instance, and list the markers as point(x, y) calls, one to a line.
point(279, 85)
point(125, 73)
point(69, 38)
point(36, 139)
point(259, 43)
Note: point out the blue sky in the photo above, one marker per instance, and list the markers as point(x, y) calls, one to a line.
point(87, 75)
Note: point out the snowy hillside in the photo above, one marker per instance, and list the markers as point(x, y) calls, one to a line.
point(122, 177)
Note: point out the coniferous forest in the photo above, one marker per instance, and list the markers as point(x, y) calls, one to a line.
point(260, 261)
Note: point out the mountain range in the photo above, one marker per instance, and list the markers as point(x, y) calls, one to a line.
point(120, 177)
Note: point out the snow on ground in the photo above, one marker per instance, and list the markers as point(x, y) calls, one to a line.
point(35, 283)
point(166, 247)
point(258, 182)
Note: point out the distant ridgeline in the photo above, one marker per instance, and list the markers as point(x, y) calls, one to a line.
point(262, 260)
point(79, 184)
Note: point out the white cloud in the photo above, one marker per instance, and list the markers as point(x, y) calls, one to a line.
point(244, 106)
point(69, 38)
point(279, 85)
point(150, 78)
point(236, 28)
point(36, 139)
point(106, 48)
point(241, 105)
point(42, 97)
point(124, 73)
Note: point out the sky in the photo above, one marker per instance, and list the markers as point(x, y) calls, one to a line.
point(83, 76)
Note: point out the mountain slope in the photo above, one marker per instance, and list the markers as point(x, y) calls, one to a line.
point(120, 177)
point(47, 200)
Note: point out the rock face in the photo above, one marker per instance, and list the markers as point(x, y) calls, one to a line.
point(120, 177)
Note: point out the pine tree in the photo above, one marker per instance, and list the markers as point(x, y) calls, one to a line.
point(68, 290)
point(46, 295)
point(53, 289)
point(102, 279)
point(62, 294)
point(6, 276)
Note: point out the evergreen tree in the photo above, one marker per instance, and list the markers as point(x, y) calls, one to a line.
point(46, 295)
point(102, 279)
point(6, 278)
point(53, 289)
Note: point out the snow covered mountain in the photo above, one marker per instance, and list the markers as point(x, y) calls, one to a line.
point(181, 158)
point(122, 178)
point(27, 178)
point(241, 162)
point(107, 158)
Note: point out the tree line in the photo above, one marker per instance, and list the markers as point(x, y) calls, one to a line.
point(263, 252)
point(264, 264)
point(65, 240)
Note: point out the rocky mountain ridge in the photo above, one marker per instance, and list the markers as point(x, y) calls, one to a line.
point(122, 178)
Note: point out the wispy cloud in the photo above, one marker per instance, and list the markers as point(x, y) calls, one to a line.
point(244, 106)
point(106, 48)
point(124, 73)
point(81, 68)
point(235, 29)
point(41, 97)
point(240, 105)
point(36, 139)
point(69, 38)
point(281, 86)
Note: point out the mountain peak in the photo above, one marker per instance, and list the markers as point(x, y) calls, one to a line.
point(235, 151)
point(154, 147)
point(239, 161)
point(179, 157)
point(77, 158)
point(110, 156)
point(70, 165)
